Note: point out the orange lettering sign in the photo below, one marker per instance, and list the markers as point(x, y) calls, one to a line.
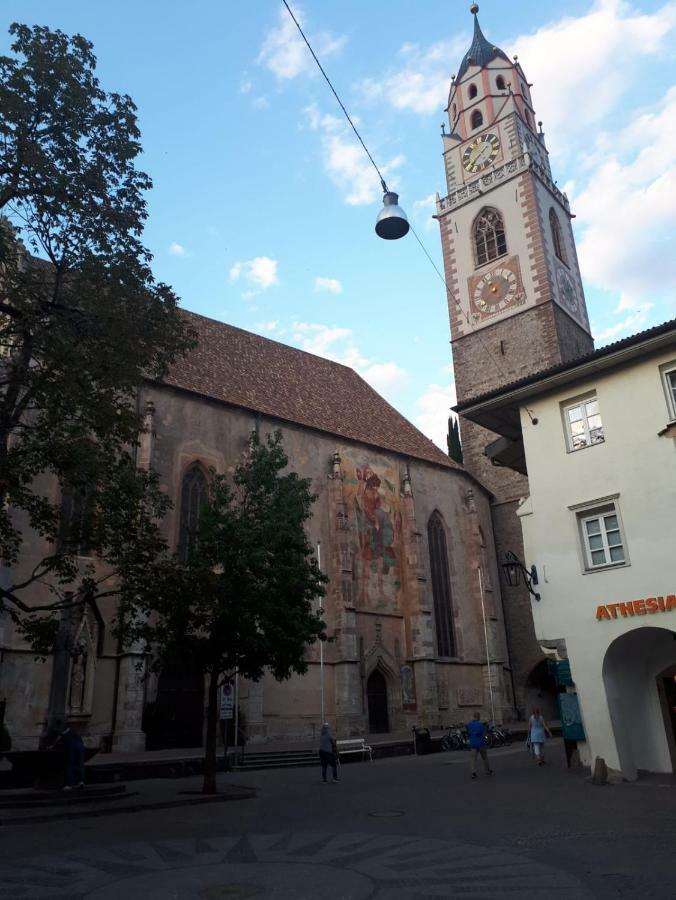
point(649, 606)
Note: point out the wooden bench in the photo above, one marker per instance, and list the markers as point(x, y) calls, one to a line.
point(354, 745)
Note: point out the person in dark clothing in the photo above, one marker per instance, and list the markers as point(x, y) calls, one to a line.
point(327, 752)
point(72, 743)
point(477, 743)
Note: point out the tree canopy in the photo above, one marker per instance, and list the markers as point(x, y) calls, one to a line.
point(82, 323)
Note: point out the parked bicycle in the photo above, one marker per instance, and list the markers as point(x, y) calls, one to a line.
point(456, 738)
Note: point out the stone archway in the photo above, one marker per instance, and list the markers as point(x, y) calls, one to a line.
point(634, 670)
point(376, 697)
point(541, 691)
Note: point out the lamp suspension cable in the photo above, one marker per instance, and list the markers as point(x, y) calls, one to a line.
point(335, 94)
point(462, 311)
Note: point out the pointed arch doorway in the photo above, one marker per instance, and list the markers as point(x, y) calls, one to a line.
point(376, 696)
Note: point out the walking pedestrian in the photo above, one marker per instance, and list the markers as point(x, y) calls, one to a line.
point(328, 753)
point(537, 727)
point(477, 732)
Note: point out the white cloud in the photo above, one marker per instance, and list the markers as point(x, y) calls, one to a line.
point(425, 209)
point(632, 323)
point(261, 103)
point(328, 285)
point(626, 211)
point(345, 161)
point(261, 271)
point(338, 344)
point(267, 327)
point(284, 52)
point(421, 82)
point(435, 407)
point(582, 66)
point(177, 249)
point(245, 86)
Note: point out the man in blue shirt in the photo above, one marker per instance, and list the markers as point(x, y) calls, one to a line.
point(477, 743)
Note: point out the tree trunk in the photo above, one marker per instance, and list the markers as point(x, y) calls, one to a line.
point(209, 786)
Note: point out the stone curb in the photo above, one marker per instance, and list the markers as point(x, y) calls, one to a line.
point(244, 794)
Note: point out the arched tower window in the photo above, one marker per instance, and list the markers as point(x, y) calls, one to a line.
point(477, 119)
point(557, 236)
point(194, 493)
point(77, 520)
point(489, 236)
point(473, 91)
point(500, 82)
point(441, 585)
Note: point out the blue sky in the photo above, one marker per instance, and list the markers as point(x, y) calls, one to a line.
point(263, 208)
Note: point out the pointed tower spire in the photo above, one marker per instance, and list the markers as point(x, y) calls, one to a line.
point(481, 51)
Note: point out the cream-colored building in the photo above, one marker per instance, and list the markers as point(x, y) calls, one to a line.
point(597, 438)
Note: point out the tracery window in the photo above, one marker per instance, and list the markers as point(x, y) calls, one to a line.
point(441, 585)
point(77, 521)
point(477, 119)
point(194, 493)
point(490, 241)
point(557, 236)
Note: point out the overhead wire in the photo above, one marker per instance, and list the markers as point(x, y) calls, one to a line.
point(449, 293)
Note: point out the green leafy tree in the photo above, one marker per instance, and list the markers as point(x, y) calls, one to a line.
point(453, 440)
point(243, 601)
point(82, 322)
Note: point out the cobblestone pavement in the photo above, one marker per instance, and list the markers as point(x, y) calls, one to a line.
point(288, 866)
point(400, 828)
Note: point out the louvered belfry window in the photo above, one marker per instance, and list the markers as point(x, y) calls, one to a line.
point(490, 241)
point(441, 585)
point(194, 493)
point(557, 236)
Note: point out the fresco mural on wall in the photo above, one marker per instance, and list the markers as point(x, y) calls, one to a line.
point(374, 506)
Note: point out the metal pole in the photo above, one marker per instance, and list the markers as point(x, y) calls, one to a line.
point(321, 643)
point(236, 713)
point(488, 653)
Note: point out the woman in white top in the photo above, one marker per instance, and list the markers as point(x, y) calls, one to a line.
point(536, 735)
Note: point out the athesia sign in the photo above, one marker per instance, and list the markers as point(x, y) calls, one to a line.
point(636, 607)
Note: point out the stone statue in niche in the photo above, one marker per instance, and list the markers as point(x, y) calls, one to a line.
point(407, 686)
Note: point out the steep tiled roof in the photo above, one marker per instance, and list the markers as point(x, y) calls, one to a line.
point(481, 51)
point(245, 370)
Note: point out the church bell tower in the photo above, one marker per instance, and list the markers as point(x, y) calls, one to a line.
point(515, 296)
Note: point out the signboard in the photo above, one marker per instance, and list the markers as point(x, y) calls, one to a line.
point(571, 720)
point(649, 606)
point(227, 702)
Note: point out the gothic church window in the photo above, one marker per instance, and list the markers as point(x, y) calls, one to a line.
point(472, 91)
point(194, 493)
point(77, 521)
point(477, 119)
point(441, 585)
point(557, 236)
point(489, 236)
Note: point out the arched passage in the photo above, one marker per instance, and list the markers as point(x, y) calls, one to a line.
point(636, 672)
point(541, 691)
point(376, 696)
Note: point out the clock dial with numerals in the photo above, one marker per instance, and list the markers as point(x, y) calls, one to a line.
point(494, 291)
point(567, 291)
point(481, 152)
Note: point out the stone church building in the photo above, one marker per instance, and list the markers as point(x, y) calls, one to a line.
point(422, 632)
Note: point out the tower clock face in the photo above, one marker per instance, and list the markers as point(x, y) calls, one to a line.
point(481, 152)
point(494, 291)
point(567, 291)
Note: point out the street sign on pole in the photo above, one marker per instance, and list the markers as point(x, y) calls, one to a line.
point(227, 702)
